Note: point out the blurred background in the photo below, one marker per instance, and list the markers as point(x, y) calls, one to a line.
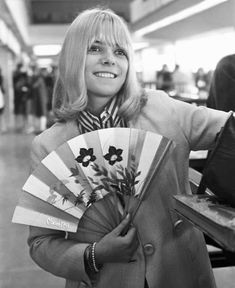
point(177, 45)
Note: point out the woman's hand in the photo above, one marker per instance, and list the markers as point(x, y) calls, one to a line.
point(115, 247)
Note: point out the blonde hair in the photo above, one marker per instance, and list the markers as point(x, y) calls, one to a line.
point(70, 92)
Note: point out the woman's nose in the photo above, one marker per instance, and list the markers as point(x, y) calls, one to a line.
point(108, 58)
point(107, 61)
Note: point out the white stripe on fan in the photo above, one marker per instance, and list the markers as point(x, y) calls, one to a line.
point(27, 216)
point(150, 147)
point(62, 172)
point(119, 138)
point(39, 189)
point(75, 145)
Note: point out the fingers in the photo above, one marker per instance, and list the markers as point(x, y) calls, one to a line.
point(131, 233)
point(116, 247)
point(131, 237)
point(123, 225)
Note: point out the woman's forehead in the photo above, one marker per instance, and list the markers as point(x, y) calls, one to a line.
point(110, 40)
point(104, 43)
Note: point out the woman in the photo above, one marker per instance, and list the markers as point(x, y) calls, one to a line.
point(97, 88)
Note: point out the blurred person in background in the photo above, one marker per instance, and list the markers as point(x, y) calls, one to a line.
point(49, 75)
point(49, 82)
point(40, 99)
point(180, 80)
point(21, 94)
point(222, 88)
point(201, 82)
point(164, 79)
point(2, 103)
point(183, 84)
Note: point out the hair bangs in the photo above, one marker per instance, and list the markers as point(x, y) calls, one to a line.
point(108, 29)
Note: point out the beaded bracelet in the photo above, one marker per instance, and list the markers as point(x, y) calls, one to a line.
point(89, 260)
point(93, 257)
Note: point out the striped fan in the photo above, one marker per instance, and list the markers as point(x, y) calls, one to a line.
point(91, 181)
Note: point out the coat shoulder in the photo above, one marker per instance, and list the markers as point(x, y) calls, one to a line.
point(54, 136)
point(157, 97)
point(158, 102)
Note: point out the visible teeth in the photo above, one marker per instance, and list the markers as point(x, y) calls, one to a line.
point(105, 75)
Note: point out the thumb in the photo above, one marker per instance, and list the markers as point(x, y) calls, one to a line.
point(124, 224)
point(131, 233)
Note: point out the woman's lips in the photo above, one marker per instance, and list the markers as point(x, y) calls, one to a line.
point(105, 75)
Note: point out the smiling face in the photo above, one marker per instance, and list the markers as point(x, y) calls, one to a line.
point(95, 64)
point(106, 68)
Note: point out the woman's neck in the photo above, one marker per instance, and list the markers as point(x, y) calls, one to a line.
point(97, 106)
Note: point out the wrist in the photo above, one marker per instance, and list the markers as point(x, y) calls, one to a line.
point(92, 267)
point(96, 264)
point(99, 255)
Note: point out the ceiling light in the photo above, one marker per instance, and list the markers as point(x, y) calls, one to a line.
point(46, 50)
point(183, 14)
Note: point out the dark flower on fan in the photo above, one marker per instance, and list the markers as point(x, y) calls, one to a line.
point(114, 155)
point(86, 156)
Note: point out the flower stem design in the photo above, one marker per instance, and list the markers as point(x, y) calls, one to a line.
point(122, 183)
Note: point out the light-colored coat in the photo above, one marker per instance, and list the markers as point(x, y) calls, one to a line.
point(169, 255)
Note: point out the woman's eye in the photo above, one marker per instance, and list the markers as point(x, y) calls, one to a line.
point(121, 52)
point(94, 48)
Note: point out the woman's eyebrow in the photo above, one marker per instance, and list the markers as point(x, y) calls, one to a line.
point(98, 42)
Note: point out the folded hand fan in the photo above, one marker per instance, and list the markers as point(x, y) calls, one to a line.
point(92, 181)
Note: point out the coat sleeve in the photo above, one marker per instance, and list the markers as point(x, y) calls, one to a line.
point(49, 248)
point(199, 124)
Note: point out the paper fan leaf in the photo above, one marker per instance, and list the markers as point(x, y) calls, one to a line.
point(89, 236)
point(102, 213)
point(35, 212)
point(85, 148)
point(62, 172)
point(95, 223)
point(147, 155)
point(114, 143)
point(47, 187)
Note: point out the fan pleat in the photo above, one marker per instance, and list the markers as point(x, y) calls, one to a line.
point(49, 194)
point(112, 209)
point(88, 236)
point(45, 185)
point(54, 163)
point(83, 143)
point(120, 139)
point(77, 177)
point(35, 212)
point(98, 211)
point(88, 219)
point(67, 156)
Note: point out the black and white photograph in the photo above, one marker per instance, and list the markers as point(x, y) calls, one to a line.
point(117, 143)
